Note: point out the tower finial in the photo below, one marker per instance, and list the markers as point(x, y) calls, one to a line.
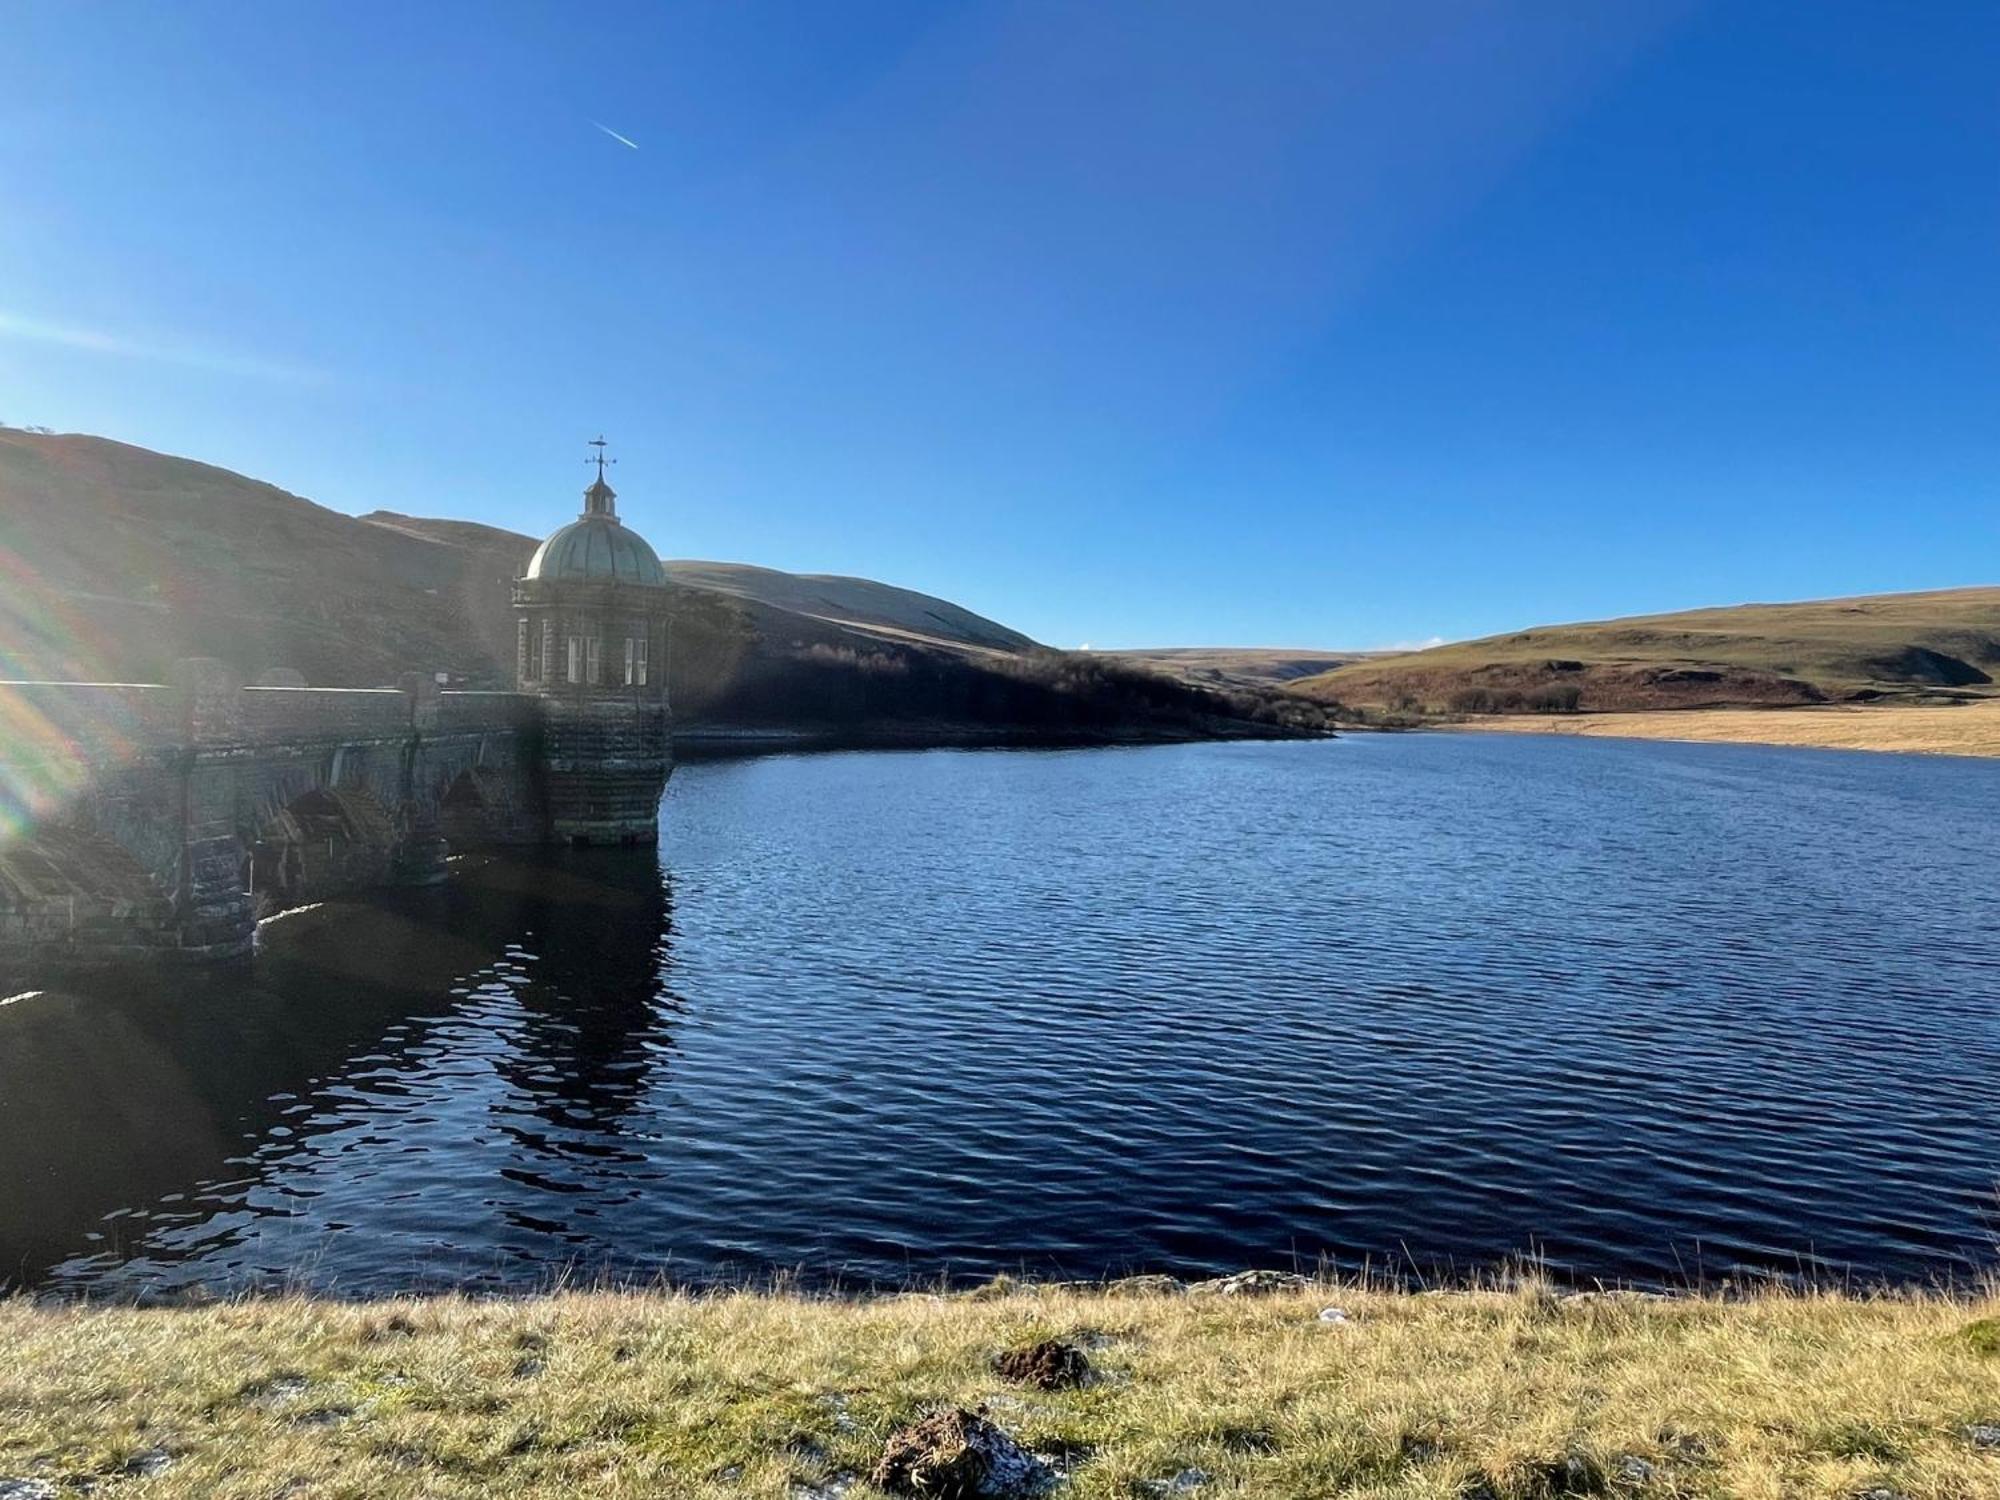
point(597, 500)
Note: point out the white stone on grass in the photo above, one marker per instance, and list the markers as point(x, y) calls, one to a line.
point(1249, 1283)
point(146, 1464)
point(831, 1489)
point(277, 1393)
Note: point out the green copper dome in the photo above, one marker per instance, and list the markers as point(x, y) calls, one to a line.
point(596, 548)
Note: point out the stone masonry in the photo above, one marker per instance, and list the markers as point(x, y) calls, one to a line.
point(154, 820)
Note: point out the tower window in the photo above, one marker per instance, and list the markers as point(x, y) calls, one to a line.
point(576, 658)
point(635, 661)
point(596, 659)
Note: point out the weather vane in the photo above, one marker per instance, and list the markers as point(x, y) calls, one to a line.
point(600, 460)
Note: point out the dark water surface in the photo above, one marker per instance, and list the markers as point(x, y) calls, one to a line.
point(1652, 1010)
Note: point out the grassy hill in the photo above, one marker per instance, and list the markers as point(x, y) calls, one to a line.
point(120, 560)
point(1935, 646)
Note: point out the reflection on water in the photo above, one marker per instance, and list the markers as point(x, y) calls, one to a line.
point(1653, 1010)
point(229, 1124)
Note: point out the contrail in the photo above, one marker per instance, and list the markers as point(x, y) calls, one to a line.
point(15, 326)
point(622, 140)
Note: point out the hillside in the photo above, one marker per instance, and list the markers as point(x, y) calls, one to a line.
point(860, 604)
point(1239, 667)
point(856, 604)
point(122, 560)
point(1935, 646)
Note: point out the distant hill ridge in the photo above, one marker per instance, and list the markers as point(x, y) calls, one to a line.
point(1241, 666)
point(827, 596)
point(169, 556)
point(120, 560)
point(1936, 645)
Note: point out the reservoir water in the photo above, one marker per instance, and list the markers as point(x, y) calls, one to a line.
point(1648, 1011)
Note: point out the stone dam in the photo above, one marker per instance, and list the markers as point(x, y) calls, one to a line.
point(155, 820)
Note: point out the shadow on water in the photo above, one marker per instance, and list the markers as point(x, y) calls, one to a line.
point(135, 1102)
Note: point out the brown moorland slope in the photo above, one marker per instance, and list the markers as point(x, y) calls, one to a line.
point(125, 559)
point(119, 561)
point(1936, 646)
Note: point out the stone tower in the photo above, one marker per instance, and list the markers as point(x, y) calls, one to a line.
point(592, 645)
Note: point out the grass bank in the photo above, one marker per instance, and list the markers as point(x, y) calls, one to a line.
point(1965, 729)
point(1508, 1394)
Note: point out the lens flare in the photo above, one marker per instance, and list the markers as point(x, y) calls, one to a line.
point(55, 735)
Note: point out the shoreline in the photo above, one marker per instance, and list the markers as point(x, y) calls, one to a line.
point(1969, 730)
point(1967, 1285)
point(726, 741)
point(1258, 1385)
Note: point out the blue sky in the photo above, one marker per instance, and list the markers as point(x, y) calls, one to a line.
point(1153, 323)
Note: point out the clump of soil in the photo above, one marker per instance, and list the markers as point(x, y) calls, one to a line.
point(1573, 1474)
point(1050, 1366)
point(957, 1454)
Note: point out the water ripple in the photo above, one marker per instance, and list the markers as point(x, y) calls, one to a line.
point(1650, 1011)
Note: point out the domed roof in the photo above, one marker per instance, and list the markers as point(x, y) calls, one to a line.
point(597, 548)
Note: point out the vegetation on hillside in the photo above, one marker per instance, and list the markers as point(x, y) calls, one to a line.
point(1503, 1395)
point(729, 669)
point(1936, 646)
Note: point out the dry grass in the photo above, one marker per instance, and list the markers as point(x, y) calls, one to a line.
point(1753, 654)
point(614, 1394)
point(1967, 729)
